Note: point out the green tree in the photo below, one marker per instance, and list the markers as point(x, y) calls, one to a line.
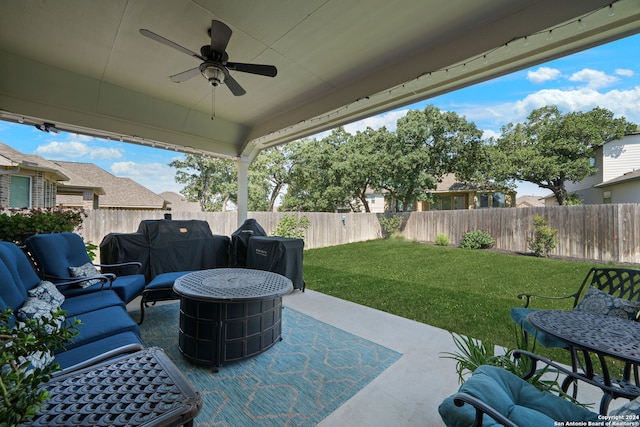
point(552, 148)
point(210, 181)
point(316, 182)
point(425, 148)
point(268, 176)
point(359, 167)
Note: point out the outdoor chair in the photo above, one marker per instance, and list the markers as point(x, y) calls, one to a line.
point(61, 257)
point(604, 290)
point(493, 396)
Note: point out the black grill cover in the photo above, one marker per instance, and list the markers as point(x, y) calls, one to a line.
point(240, 241)
point(164, 246)
point(183, 245)
point(116, 248)
point(278, 255)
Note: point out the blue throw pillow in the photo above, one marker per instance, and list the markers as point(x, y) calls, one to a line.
point(47, 292)
point(628, 411)
point(35, 308)
point(597, 302)
point(85, 270)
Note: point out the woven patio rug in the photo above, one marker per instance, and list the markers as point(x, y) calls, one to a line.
point(297, 382)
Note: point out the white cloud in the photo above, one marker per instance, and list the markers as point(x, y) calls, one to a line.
point(625, 72)
point(387, 120)
point(595, 79)
point(105, 153)
point(543, 74)
point(63, 150)
point(157, 177)
point(488, 133)
point(620, 102)
point(76, 148)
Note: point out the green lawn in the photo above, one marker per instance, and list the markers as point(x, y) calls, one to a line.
point(464, 291)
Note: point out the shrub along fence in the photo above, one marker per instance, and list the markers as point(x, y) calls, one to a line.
point(609, 233)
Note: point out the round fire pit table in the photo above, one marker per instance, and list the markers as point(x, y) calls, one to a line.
point(229, 314)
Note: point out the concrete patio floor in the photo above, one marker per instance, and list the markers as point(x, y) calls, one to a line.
point(409, 391)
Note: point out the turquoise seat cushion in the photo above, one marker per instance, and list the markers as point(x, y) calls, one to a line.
point(514, 398)
point(519, 315)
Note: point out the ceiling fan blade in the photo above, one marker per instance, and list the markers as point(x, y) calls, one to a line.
point(263, 70)
point(234, 86)
point(220, 35)
point(169, 43)
point(185, 75)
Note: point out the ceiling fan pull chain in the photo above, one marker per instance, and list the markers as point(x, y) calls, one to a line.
point(213, 102)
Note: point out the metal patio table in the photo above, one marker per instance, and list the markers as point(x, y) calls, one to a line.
point(229, 314)
point(601, 335)
point(144, 388)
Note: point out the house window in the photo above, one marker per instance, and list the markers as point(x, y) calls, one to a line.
point(459, 202)
point(492, 200)
point(20, 195)
point(445, 203)
point(606, 197)
point(483, 200)
point(498, 201)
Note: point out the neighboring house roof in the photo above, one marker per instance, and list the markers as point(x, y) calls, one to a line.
point(118, 192)
point(76, 184)
point(179, 203)
point(629, 176)
point(449, 184)
point(529, 201)
point(14, 161)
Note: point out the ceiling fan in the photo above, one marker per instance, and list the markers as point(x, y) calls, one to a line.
point(215, 64)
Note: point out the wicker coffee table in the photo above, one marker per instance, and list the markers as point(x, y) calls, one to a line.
point(229, 314)
point(139, 389)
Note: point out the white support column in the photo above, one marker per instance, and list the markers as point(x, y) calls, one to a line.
point(243, 188)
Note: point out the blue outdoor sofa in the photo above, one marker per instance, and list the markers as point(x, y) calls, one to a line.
point(106, 329)
point(62, 257)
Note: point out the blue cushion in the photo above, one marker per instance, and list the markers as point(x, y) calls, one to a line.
point(19, 265)
point(11, 293)
point(89, 350)
point(129, 287)
point(91, 302)
point(161, 287)
point(165, 280)
point(57, 252)
point(597, 302)
point(514, 398)
point(102, 323)
point(519, 315)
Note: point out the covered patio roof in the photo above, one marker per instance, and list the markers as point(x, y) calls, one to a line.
point(83, 66)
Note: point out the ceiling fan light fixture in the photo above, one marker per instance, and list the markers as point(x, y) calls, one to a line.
point(214, 74)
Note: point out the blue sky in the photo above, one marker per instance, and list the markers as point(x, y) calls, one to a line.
point(607, 76)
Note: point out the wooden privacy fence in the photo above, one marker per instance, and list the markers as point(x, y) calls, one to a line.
point(325, 229)
point(609, 233)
